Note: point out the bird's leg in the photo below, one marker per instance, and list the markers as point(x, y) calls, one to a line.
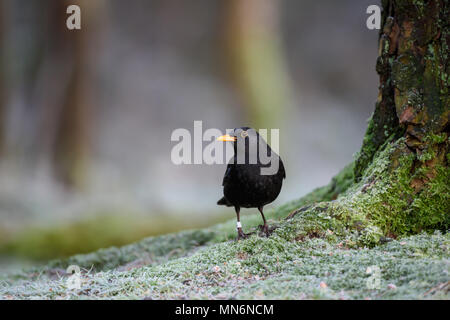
point(241, 234)
point(265, 227)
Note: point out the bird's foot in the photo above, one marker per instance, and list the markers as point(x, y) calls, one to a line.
point(265, 230)
point(242, 235)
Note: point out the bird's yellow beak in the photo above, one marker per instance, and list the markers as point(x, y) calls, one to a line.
point(226, 137)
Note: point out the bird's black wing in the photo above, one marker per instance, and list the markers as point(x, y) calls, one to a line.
point(282, 171)
point(227, 175)
point(226, 179)
point(224, 202)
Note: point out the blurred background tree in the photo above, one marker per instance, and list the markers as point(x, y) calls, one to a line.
point(66, 120)
point(2, 80)
point(257, 62)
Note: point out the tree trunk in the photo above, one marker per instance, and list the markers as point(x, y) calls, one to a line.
point(401, 175)
point(413, 98)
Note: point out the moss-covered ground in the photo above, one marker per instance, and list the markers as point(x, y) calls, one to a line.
point(378, 238)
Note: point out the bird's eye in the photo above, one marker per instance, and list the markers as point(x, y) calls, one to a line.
point(244, 134)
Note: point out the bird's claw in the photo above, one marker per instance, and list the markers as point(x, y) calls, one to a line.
point(242, 235)
point(265, 230)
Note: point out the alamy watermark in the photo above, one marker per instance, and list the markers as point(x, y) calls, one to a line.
point(73, 282)
point(248, 147)
point(374, 281)
point(73, 21)
point(374, 20)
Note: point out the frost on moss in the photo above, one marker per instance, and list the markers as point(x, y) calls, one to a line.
point(268, 268)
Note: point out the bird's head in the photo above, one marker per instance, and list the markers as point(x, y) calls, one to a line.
point(245, 141)
point(251, 148)
point(240, 135)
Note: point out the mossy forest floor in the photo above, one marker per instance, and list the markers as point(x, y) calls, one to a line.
point(341, 241)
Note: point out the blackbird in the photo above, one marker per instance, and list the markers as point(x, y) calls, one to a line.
point(253, 178)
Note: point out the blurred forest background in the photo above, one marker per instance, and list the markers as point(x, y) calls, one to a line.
point(86, 116)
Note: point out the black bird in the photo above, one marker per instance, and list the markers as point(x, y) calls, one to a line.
point(253, 178)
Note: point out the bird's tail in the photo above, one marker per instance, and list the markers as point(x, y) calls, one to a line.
point(224, 202)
